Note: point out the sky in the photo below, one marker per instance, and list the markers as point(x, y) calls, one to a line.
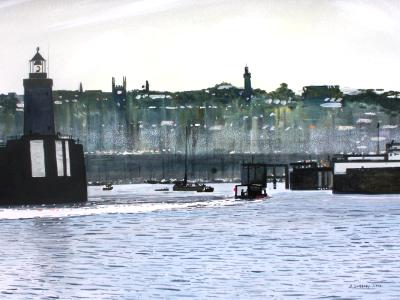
point(193, 44)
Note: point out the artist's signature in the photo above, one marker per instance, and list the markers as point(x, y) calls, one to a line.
point(365, 286)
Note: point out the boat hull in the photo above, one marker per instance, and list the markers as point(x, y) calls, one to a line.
point(184, 189)
point(192, 188)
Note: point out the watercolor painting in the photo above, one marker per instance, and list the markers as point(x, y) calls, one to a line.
point(214, 149)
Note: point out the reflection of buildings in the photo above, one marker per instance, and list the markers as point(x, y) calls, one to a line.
point(255, 135)
point(41, 166)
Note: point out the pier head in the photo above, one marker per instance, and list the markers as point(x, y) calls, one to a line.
point(42, 166)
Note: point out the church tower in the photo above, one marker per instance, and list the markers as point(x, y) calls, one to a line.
point(119, 93)
point(38, 99)
point(248, 91)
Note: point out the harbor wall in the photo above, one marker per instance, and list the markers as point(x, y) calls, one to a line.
point(212, 167)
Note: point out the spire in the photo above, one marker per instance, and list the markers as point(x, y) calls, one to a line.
point(37, 57)
point(80, 88)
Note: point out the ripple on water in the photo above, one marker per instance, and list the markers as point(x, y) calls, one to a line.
point(295, 245)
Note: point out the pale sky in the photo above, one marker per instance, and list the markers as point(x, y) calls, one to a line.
point(193, 44)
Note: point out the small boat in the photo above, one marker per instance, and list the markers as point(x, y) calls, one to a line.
point(108, 187)
point(184, 186)
point(205, 189)
point(152, 181)
point(162, 190)
point(250, 192)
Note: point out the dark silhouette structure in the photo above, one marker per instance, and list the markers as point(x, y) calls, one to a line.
point(146, 87)
point(41, 167)
point(368, 174)
point(254, 178)
point(310, 176)
point(248, 91)
point(119, 93)
point(253, 182)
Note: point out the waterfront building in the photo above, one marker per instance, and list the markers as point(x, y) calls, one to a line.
point(368, 173)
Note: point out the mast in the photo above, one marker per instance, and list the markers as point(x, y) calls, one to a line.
point(186, 155)
point(378, 126)
point(48, 60)
point(163, 167)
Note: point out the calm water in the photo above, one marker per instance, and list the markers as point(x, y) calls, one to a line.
point(134, 243)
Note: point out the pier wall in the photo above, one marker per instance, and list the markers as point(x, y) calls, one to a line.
point(138, 168)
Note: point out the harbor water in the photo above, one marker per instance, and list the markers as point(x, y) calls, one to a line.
point(136, 243)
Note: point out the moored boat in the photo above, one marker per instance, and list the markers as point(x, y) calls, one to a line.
point(165, 189)
point(184, 185)
point(108, 187)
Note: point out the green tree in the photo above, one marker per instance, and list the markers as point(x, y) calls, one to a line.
point(282, 92)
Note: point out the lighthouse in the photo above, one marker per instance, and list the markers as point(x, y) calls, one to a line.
point(41, 167)
point(38, 99)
